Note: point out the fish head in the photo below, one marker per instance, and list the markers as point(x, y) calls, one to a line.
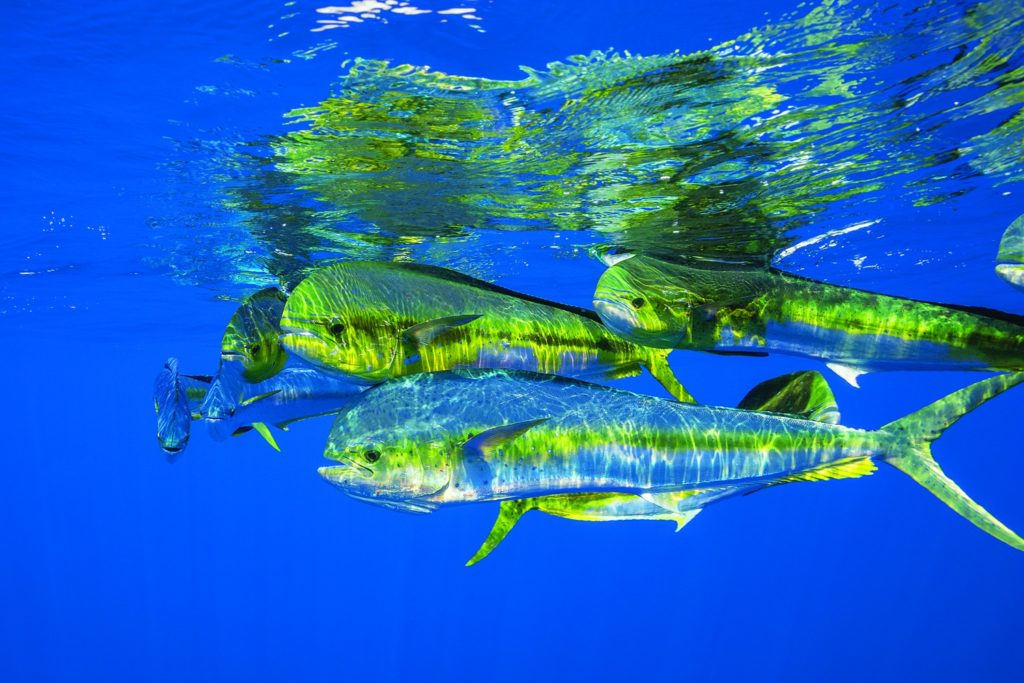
point(388, 451)
point(641, 303)
point(253, 335)
point(339, 320)
point(173, 415)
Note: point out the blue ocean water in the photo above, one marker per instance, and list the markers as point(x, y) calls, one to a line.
point(155, 171)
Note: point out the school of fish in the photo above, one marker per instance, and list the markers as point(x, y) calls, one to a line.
point(447, 390)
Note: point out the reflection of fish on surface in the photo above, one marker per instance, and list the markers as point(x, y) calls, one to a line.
point(763, 310)
point(374, 321)
point(1010, 260)
point(505, 435)
point(174, 397)
point(801, 394)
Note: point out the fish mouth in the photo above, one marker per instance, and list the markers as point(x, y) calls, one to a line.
point(616, 315)
point(346, 465)
point(232, 356)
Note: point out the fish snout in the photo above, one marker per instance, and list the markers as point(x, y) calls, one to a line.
point(616, 315)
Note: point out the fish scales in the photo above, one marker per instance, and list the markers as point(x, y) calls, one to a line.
point(591, 440)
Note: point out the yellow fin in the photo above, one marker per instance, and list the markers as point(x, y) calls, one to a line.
point(850, 469)
point(264, 431)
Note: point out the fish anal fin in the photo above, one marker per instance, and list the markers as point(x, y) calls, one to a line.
point(509, 513)
point(849, 374)
point(849, 469)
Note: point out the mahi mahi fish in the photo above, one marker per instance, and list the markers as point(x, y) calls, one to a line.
point(754, 311)
point(251, 337)
point(176, 398)
point(419, 442)
point(294, 394)
point(802, 394)
point(376, 321)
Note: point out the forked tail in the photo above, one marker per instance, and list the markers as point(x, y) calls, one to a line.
point(926, 425)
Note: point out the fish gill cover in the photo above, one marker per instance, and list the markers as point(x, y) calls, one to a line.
point(724, 154)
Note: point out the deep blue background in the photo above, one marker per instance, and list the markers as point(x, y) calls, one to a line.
point(238, 563)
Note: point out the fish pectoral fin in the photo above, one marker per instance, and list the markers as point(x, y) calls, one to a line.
point(263, 430)
point(426, 332)
point(849, 374)
point(490, 440)
point(509, 513)
point(258, 398)
point(659, 368)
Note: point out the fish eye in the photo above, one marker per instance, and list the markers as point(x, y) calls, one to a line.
point(254, 349)
point(372, 456)
point(336, 327)
point(638, 302)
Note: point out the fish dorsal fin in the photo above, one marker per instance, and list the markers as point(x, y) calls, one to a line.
point(850, 469)
point(509, 512)
point(803, 394)
point(263, 430)
point(486, 442)
point(424, 333)
point(849, 374)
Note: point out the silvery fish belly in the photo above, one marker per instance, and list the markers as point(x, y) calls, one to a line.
point(497, 435)
point(763, 310)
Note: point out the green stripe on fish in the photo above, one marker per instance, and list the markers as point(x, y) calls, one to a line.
point(669, 305)
point(377, 321)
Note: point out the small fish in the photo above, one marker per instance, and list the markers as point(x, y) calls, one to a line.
point(375, 321)
point(251, 337)
point(801, 394)
point(294, 394)
point(419, 442)
point(1010, 261)
point(174, 396)
point(755, 311)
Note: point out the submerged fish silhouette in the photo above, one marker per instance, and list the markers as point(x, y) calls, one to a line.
point(760, 310)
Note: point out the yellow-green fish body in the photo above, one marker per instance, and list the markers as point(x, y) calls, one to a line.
point(376, 321)
point(419, 442)
point(763, 310)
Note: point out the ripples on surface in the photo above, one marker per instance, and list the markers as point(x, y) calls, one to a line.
point(788, 131)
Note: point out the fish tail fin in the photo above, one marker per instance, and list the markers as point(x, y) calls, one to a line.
point(509, 512)
point(659, 368)
point(920, 429)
